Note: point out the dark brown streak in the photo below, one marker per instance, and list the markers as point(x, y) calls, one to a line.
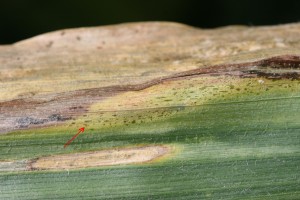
point(287, 61)
point(278, 62)
point(240, 69)
point(243, 69)
point(81, 99)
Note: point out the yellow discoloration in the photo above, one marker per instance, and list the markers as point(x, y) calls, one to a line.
point(161, 101)
point(194, 91)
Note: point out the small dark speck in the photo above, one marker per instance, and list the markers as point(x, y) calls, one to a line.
point(62, 33)
point(78, 38)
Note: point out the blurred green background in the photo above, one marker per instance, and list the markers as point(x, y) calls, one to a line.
point(24, 19)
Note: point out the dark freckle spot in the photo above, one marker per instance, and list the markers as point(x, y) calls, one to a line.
point(18, 58)
point(62, 33)
point(103, 42)
point(49, 44)
point(78, 38)
point(99, 47)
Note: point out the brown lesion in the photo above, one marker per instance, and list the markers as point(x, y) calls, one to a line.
point(281, 67)
point(121, 156)
point(250, 69)
point(285, 61)
point(40, 111)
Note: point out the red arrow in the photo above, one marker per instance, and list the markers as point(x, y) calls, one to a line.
point(73, 138)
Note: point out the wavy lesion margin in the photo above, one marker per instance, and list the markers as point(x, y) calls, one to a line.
point(41, 113)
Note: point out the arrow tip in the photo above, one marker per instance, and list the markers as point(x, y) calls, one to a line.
point(81, 129)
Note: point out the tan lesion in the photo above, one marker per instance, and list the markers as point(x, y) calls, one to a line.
point(134, 155)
